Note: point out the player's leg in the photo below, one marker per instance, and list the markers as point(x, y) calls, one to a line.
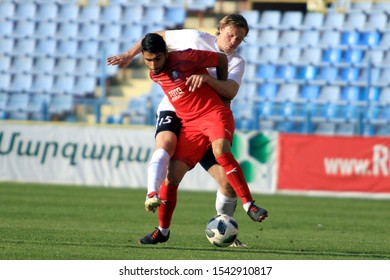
point(168, 196)
point(168, 129)
point(235, 176)
point(226, 198)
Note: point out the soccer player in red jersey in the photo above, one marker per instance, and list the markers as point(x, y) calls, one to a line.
point(205, 120)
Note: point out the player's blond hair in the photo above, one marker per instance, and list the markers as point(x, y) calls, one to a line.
point(236, 20)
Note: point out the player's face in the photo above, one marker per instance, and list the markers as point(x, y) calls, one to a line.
point(155, 61)
point(230, 38)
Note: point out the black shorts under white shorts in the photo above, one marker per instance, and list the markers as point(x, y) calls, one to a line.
point(169, 121)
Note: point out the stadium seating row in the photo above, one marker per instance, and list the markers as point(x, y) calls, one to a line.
point(52, 51)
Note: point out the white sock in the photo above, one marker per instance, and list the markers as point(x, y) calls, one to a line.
point(164, 231)
point(157, 169)
point(225, 205)
point(247, 205)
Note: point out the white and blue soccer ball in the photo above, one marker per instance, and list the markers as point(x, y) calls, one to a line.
point(221, 230)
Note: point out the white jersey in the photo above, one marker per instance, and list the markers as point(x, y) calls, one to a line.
point(194, 39)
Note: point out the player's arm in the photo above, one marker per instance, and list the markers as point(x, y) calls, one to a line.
point(226, 88)
point(124, 59)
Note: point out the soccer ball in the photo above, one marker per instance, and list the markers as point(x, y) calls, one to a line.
point(221, 230)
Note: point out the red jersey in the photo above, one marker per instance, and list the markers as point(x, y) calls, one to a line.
point(180, 66)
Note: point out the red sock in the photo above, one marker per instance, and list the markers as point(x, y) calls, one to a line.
point(168, 196)
point(235, 176)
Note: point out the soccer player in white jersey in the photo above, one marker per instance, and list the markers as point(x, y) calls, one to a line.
point(231, 31)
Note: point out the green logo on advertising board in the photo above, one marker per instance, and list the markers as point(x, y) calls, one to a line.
point(252, 151)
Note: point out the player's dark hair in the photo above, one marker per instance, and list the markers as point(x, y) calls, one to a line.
point(153, 43)
point(236, 20)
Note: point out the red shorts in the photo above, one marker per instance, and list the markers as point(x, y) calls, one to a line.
point(197, 135)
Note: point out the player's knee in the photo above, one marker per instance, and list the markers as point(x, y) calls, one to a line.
point(227, 190)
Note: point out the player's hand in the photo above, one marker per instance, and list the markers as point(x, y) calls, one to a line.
point(195, 81)
point(122, 60)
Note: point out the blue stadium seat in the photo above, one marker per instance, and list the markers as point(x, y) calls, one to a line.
point(88, 48)
point(252, 17)
point(332, 55)
point(350, 38)
point(43, 65)
point(6, 28)
point(132, 33)
point(384, 97)
point(110, 31)
point(286, 72)
point(21, 64)
point(309, 38)
point(370, 39)
point(354, 56)
point(5, 63)
point(288, 92)
point(42, 83)
point(330, 38)
point(88, 30)
point(307, 72)
point(334, 21)
point(110, 14)
point(313, 21)
point(18, 102)
point(7, 45)
point(45, 29)
point(175, 16)
point(269, 19)
point(21, 82)
point(60, 103)
point(328, 74)
point(310, 92)
point(84, 85)
point(289, 55)
point(67, 30)
point(7, 9)
point(311, 55)
point(63, 84)
point(3, 100)
point(351, 94)
point(65, 65)
point(23, 29)
point(385, 40)
point(153, 14)
point(47, 11)
point(329, 94)
point(291, 20)
point(355, 21)
point(288, 38)
point(5, 81)
point(349, 74)
point(132, 13)
point(266, 71)
point(25, 10)
point(46, 46)
point(267, 37)
point(377, 21)
point(268, 54)
point(89, 13)
point(267, 91)
point(67, 12)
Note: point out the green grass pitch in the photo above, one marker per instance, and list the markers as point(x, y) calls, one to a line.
point(51, 222)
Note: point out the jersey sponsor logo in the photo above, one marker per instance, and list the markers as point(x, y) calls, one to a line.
point(175, 93)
